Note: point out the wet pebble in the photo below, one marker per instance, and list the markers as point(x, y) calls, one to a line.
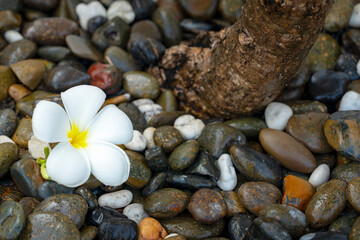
point(121, 9)
point(149, 136)
point(190, 181)
point(54, 53)
point(339, 15)
point(121, 59)
point(88, 232)
point(28, 204)
point(90, 198)
point(135, 212)
point(183, 155)
point(148, 108)
point(87, 11)
point(112, 229)
point(297, 192)
point(140, 173)
point(200, 9)
point(99, 214)
point(8, 122)
point(156, 159)
point(29, 72)
point(23, 132)
point(51, 188)
point(141, 85)
point(117, 199)
point(106, 77)
point(249, 126)
point(7, 79)
point(17, 51)
point(12, 220)
point(353, 190)
point(239, 225)
point(83, 48)
point(138, 142)
point(136, 117)
point(228, 177)
point(346, 172)
point(264, 227)
point(320, 175)
point(347, 63)
point(343, 223)
point(350, 101)
point(303, 106)
point(168, 138)
point(277, 115)
point(156, 182)
point(147, 51)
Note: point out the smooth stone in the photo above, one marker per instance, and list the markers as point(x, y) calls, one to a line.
point(267, 228)
point(28, 204)
point(9, 20)
point(191, 229)
point(113, 33)
point(54, 53)
point(135, 212)
point(83, 48)
point(166, 203)
point(41, 225)
point(168, 138)
point(136, 117)
point(324, 53)
point(71, 205)
point(7, 78)
point(121, 59)
point(29, 72)
point(347, 63)
point(13, 36)
point(12, 220)
point(106, 77)
point(18, 91)
point(143, 8)
point(50, 31)
point(36, 147)
point(99, 214)
point(121, 9)
point(43, 5)
point(51, 188)
point(23, 132)
point(339, 15)
point(138, 142)
point(190, 181)
point(328, 86)
point(291, 218)
point(307, 128)
point(255, 166)
point(350, 101)
point(140, 173)
point(147, 107)
point(144, 29)
point(147, 51)
point(346, 172)
point(173, 6)
point(8, 155)
point(287, 150)
point(353, 193)
point(324, 235)
point(88, 232)
point(341, 131)
point(184, 155)
point(303, 106)
point(239, 225)
point(17, 51)
point(200, 9)
point(156, 182)
point(8, 122)
point(207, 206)
point(320, 175)
point(189, 127)
point(257, 195)
point(6, 139)
point(95, 22)
point(90, 198)
point(141, 85)
point(150, 228)
point(26, 104)
point(228, 177)
point(327, 203)
point(167, 101)
point(277, 115)
point(216, 139)
point(73, 63)
point(165, 118)
point(118, 228)
point(117, 199)
point(355, 16)
point(343, 223)
point(233, 203)
point(204, 165)
point(231, 9)
point(71, 9)
point(87, 11)
point(156, 159)
point(249, 126)
point(355, 230)
point(61, 78)
point(169, 26)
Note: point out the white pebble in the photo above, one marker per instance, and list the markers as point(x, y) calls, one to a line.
point(117, 199)
point(5, 139)
point(13, 36)
point(36, 147)
point(189, 127)
point(277, 115)
point(121, 9)
point(320, 175)
point(86, 12)
point(138, 142)
point(150, 110)
point(135, 212)
point(172, 235)
point(228, 178)
point(149, 135)
point(350, 101)
point(142, 101)
point(355, 17)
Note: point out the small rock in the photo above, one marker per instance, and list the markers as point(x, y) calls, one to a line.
point(165, 118)
point(149, 110)
point(87, 11)
point(17, 51)
point(156, 182)
point(184, 155)
point(277, 115)
point(28, 204)
point(90, 198)
point(118, 228)
point(8, 122)
point(249, 126)
point(140, 173)
point(151, 229)
point(95, 22)
point(353, 193)
point(43, 5)
point(106, 77)
point(239, 225)
point(190, 181)
point(355, 230)
point(324, 235)
point(136, 117)
point(135, 212)
point(268, 228)
point(346, 172)
point(29, 72)
point(149, 136)
point(203, 10)
point(233, 203)
point(189, 127)
point(141, 85)
point(355, 17)
point(350, 101)
point(343, 223)
point(51, 188)
point(147, 51)
point(23, 132)
point(88, 232)
point(54, 53)
point(36, 147)
point(13, 36)
point(320, 175)
point(7, 79)
point(205, 165)
point(117, 199)
point(303, 106)
point(347, 63)
point(5, 139)
point(168, 102)
point(228, 178)
point(122, 9)
point(138, 142)
point(339, 15)
point(12, 220)
point(83, 48)
point(168, 138)
point(156, 159)
point(121, 59)
point(99, 214)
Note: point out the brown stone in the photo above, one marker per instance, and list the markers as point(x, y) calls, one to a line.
point(290, 153)
point(83, 48)
point(9, 20)
point(29, 72)
point(200, 9)
point(233, 203)
point(256, 195)
point(353, 193)
point(355, 230)
point(28, 204)
point(151, 229)
point(18, 91)
point(7, 78)
point(23, 132)
point(168, 138)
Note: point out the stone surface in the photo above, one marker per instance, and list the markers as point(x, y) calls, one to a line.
point(231, 9)
point(141, 85)
point(99, 214)
point(88, 232)
point(9, 20)
point(8, 122)
point(150, 228)
point(165, 118)
point(12, 220)
point(233, 203)
point(85, 12)
point(169, 26)
point(121, 9)
point(239, 225)
point(135, 212)
point(350, 101)
point(140, 173)
point(344, 223)
point(51, 188)
point(190, 181)
point(320, 175)
point(156, 159)
point(147, 51)
point(199, 9)
point(346, 172)
point(23, 132)
point(136, 117)
point(168, 138)
point(155, 183)
point(277, 115)
point(17, 51)
point(184, 155)
point(339, 15)
point(249, 126)
point(83, 48)
point(353, 193)
point(228, 178)
point(189, 127)
point(118, 228)
point(303, 106)
point(36, 147)
point(137, 143)
point(347, 63)
point(121, 59)
point(167, 101)
point(7, 78)
point(90, 198)
point(54, 53)
point(29, 72)
point(43, 5)
point(106, 77)
point(264, 227)
point(28, 204)
point(117, 199)
point(355, 230)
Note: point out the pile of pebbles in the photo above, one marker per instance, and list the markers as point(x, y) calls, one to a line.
point(289, 172)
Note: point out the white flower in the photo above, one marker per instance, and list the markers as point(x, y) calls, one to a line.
point(87, 139)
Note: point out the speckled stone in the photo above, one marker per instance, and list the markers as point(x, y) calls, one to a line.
point(28, 204)
point(90, 198)
point(156, 159)
point(339, 15)
point(23, 132)
point(233, 203)
point(17, 51)
point(141, 85)
point(8, 122)
point(327, 203)
point(267, 228)
point(353, 193)
point(346, 172)
point(168, 138)
point(8, 155)
point(136, 117)
point(303, 106)
point(12, 220)
point(184, 155)
point(256, 195)
point(239, 225)
point(88, 232)
point(207, 206)
point(166, 203)
point(140, 173)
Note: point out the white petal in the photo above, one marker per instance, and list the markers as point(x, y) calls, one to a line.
point(67, 165)
point(50, 122)
point(111, 125)
point(109, 163)
point(82, 103)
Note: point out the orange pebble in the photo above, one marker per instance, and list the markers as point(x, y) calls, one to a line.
point(298, 192)
point(151, 229)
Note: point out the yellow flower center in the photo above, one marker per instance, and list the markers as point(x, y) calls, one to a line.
point(77, 138)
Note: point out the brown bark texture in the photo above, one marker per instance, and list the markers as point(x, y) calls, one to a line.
point(243, 68)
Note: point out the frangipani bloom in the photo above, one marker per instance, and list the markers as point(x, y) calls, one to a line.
point(87, 138)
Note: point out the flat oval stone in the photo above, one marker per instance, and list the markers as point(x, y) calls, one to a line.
point(29, 72)
point(353, 193)
point(207, 206)
point(28, 204)
point(256, 195)
point(255, 166)
point(7, 79)
point(346, 172)
point(292, 219)
point(17, 51)
point(51, 188)
point(184, 155)
point(168, 138)
point(140, 173)
point(8, 122)
point(90, 198)
point(216, 139)
point(118, 228)
point(99, 214)
point(54, 53)
point(136, 117)
point(342, 133)
point(249, 126)
point(166, 203)
point(144, 29)
point(167, 101)
point(267, 228)
point(239, 225)
point(141, 85)
point(327, 203)
point(303, 106)
point(307, 128)
point(118, 199)
point(61, 78)
point(50, 31)
point(12, 220)
point(200, 9)
point(23, 132)
point(43, 224)
point(290, 153)
point(233, 203)
point(189, 228)
point(8, 155)
point(83, 48)
point(190, 181)
point(71, 205)
point(121, 59)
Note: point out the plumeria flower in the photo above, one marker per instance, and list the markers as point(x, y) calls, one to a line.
point(87, 138)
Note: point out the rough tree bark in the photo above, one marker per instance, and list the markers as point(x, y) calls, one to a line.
point(244, 67)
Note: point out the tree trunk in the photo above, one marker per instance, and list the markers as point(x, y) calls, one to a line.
point(244, 67)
